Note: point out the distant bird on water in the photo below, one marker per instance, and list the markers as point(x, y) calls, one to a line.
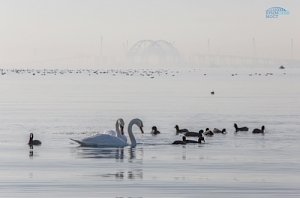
point(219, 131)
point(262, 130)
point(179, 141)
point(33, 142)
point(180, 130)
point(212, 92)
point(237, 129)
point(208, 132)
point(200, 139)
point(194, 134)
point(155, 131)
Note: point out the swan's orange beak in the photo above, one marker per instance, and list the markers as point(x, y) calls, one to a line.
point(142, 130)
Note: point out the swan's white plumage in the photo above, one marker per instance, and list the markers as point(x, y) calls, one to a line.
point(110, 132)
point(115, 134)
point(103, 140)
point(112, 138)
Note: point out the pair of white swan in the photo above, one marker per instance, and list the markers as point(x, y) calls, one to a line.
point(113, 138)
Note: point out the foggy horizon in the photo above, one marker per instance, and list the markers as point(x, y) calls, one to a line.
point(101, 33)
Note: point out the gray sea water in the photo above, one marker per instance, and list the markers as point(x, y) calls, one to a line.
point(59, 107)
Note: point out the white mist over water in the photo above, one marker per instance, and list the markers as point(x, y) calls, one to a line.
point(59, 107)
point(99, 33)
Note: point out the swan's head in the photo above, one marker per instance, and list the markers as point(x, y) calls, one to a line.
point(224, 130)
point(207, 129)
point(201, 131)
point(121, 122)
point(177, 127)
point(263, 128)
point(154, 128)
point(139, 123)
point(235, 125)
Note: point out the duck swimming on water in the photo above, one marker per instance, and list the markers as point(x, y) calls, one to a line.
point(155, 131)
point(200, 139)
point(219, 131)
point(237, 129)
point(179, 141)
point(194, 134)
point(208, 132)
point(180, 130)
point(262, 130)
point(33, 142)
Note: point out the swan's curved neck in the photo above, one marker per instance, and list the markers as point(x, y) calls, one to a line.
point(131, 136)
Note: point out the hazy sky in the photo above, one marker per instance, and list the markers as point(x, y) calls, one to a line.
point(40, 31)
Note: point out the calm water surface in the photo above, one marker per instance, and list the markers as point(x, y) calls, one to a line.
point(57, 108)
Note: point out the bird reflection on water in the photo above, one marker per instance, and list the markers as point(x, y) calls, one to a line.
point(101, 153)
point(124, 156)
point(31, 152)
point(110, 153)
point(131, 174)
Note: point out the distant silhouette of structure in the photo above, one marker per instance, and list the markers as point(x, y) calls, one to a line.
point(154, 53)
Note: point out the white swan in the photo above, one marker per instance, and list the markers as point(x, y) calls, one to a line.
point(91, 141)
point(107, 140)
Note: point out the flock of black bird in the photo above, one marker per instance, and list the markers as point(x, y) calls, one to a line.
point(208, 132)
point(186, 133)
